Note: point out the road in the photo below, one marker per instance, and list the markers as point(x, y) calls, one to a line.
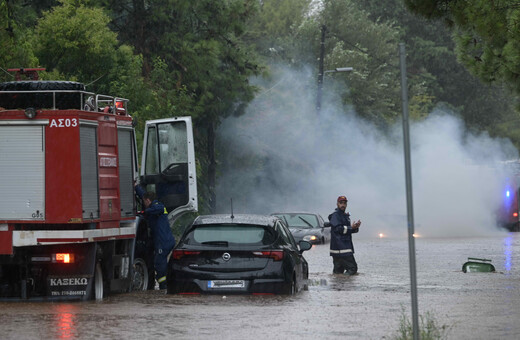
point(365, 306)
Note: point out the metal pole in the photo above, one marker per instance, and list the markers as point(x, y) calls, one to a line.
point(409, 198)
point(320, 74)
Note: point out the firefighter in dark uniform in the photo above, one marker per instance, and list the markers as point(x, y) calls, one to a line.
point(341, 246)
point(163, 240)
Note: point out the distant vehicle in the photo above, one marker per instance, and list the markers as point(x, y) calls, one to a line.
point(306, 226)
point(226, 254)
point(507, 214)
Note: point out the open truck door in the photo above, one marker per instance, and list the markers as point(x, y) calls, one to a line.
point(168, 164)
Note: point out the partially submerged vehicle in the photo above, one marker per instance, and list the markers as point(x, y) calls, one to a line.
point(247, 254)
point(477, 265)
point(306, 226)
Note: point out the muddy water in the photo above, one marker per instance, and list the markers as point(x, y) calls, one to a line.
point(365, 306)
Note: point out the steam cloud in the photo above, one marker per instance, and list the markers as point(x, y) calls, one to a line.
point(281, 157)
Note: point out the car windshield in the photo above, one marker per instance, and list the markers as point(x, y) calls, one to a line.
point(230, 234)
point(304, 221)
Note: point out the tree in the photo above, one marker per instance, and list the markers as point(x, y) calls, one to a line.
point(272, 31)
point(369, 47)
point(220, 67)
point(486, 35)
point(432, 60)
point(476, 73)
point(203, 63)
point(14, 43)
point(74, 40)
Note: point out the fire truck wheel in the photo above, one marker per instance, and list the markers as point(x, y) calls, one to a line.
point(140, 276)
point(98, 283)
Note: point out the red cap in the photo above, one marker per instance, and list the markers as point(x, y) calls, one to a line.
point(342, 198)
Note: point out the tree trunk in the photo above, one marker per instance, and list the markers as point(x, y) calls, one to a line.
point(212, 167)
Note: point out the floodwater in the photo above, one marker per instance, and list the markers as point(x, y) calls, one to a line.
point(365, 306)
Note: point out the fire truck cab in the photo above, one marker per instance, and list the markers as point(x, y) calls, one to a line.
point(69, 221)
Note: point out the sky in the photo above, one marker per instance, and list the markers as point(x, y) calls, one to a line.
point(281, 156)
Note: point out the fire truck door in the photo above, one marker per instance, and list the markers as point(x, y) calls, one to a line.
point(168, 164)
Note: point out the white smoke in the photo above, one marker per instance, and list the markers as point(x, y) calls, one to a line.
point(281, 157)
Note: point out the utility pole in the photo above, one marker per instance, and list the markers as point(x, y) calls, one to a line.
point(409, 197)
point(320, 74)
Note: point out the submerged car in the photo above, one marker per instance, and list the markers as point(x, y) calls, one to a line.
point(306, 226)
point(226, 254)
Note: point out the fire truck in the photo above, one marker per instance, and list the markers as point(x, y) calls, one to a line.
point(69, 221)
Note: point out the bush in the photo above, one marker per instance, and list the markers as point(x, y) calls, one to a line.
point(429, 329)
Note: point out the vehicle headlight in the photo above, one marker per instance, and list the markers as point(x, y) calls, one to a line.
point(310, 238)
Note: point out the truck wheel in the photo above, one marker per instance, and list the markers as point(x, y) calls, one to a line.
point(98, 283)
point(140, 275)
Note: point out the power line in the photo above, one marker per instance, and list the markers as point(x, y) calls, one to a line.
point(12, 76)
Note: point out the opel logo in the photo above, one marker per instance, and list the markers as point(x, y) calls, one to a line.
point(226, 256)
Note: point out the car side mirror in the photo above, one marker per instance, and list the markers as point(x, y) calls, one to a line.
point(304, 245)
point(326, 225)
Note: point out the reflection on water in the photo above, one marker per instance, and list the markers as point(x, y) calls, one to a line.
point(508, 251)
point(318, 282)
point(66, 321)
point(364, 306)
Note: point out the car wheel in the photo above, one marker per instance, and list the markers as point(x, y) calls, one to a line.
point(140, 275)
point(291, 290)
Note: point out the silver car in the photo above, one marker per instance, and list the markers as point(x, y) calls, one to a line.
point(306, 226)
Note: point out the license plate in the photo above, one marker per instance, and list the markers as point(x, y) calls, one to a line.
point(216, 284)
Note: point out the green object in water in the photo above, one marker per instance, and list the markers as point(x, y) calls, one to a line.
point(477, 265)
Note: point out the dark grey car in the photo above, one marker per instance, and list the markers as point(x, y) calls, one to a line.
point(253, 254)
point(306, 226)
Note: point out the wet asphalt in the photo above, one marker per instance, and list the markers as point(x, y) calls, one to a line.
point(365, 306)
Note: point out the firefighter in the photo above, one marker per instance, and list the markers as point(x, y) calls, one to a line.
point(163, 240)
point(341, 246)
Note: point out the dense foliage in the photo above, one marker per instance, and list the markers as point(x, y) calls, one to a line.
point(486, 35)
point(197, 58)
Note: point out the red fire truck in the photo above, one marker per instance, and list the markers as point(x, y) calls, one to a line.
point(69, 227)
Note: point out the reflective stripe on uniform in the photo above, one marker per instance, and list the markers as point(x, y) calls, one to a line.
point(342, 251)
point(162, 279)
point(165, 211)
point(345, 229)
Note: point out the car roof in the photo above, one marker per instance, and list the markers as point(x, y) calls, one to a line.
point(237, 219)
point(295, 213)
